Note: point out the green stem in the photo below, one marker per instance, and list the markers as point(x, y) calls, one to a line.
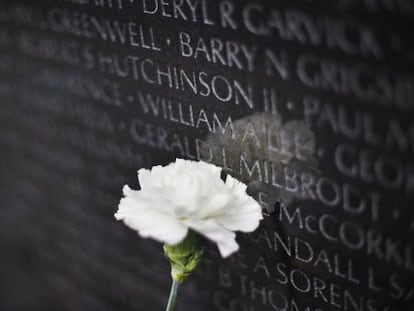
point(173, 295)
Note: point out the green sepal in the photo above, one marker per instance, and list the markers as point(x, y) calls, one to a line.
point(184, 256)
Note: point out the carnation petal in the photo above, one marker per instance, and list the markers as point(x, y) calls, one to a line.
point(245, 213)
point(164, 228)
point(236, 186)
point(143, 215)
point(138, 199)
point(244, 219)
point(128, 192)
point(225, 239)
point(145, 179)
point(211, 168)
point(216, 204)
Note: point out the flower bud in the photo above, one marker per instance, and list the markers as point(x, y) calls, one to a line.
point(184, 256)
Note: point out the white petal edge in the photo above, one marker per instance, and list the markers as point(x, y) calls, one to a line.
point(245, 216)
point(225, 239)
point(148, 220)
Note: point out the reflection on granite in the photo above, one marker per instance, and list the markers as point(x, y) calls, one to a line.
point(262, 150)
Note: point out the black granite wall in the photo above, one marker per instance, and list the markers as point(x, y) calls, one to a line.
point(309, 102)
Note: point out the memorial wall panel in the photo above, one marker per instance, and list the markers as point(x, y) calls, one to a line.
point(308, 102)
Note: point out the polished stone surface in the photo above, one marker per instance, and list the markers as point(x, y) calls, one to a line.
point(308, 102)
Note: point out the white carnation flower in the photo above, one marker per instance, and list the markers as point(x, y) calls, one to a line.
point(189, 195)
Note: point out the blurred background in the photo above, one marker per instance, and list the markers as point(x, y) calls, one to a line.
point(310, 103)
